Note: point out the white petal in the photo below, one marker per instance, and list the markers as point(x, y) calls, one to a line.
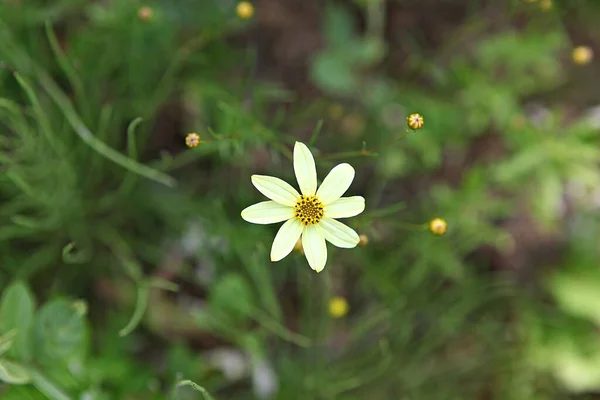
point(276, 189)
point(267, 212)
point(313, 243)
point(286, 238)
point(335, 183)
point(339, 234)
point(345, 207)
point(304, 167)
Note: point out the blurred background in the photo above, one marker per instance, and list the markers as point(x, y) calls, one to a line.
point(126, 271)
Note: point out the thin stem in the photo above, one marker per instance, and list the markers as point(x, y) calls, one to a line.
point(364, 152)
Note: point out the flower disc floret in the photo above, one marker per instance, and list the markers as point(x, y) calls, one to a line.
point(309, 210)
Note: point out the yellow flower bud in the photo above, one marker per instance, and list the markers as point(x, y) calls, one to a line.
point(145, 13)
point(336, 111)
point(582, 55)
point(192, 140)
point(245, 10)
point(438, 226)
point(363, 240)
point(298, 246)
point(415, 121)
point(546, 5)
point(338, 307)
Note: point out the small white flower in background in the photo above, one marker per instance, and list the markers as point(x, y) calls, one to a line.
point(310, 214)
point(537, 114)
point(264, 380)
point(201, 244)
point(231, 362)
point(592, 117)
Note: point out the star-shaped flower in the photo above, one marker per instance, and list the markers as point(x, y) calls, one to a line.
point(311, 214)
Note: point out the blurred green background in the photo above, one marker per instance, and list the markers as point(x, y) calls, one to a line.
point(127, 272)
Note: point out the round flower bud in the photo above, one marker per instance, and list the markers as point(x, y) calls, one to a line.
point(415, 121)
point(338, 307)
point(192, 140)
point(363, 240)
point(244, 10)
point(438, 226)
point(582, 55)
point(145, 13)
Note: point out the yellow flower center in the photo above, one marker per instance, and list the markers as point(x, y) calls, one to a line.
point(309, 210)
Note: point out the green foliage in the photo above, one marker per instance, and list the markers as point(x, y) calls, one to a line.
point(232, 296)
point(16, 319)
point(126, 271)
point(337, 69)
point(60, 333)
point(13, 373)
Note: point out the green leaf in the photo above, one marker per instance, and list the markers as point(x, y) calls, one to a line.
point(140, 307)
point(547, 201)
point(47, 387)
point(368, 51)
point(232, 295)
point(16, 313)
point(21, 392)
point(13, 373)
point(60, 333)
point(338, 26)
point(72, 255)
point(332, 73)
point(577, 293)
point(6, 341)
point(264, 284)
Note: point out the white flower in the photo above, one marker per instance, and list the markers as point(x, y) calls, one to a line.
point(310, 214)
point(264, 379)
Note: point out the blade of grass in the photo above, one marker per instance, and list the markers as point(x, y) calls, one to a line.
point(70, 256)
point(66, 106)
point(40, 115)
point(67, 68)
point(315, 133)
point(197, 388)
point(140, 308)
point(46, 386)
point(274, 327)
point(24, 63)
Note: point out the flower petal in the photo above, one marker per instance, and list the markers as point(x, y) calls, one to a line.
point(335, 183)
point(305, 169)
point(313, 243)
point(276, 189)
point(345, 207)
point(267, 212)
point(338, 234)
point(286, 238)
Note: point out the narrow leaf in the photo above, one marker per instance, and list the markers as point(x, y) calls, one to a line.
point(140, 307)
point(197, 388)
point(47, 387)
point(16, 313)
point(13, 373)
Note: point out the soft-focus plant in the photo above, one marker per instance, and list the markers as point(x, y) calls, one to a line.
point(126, 271)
